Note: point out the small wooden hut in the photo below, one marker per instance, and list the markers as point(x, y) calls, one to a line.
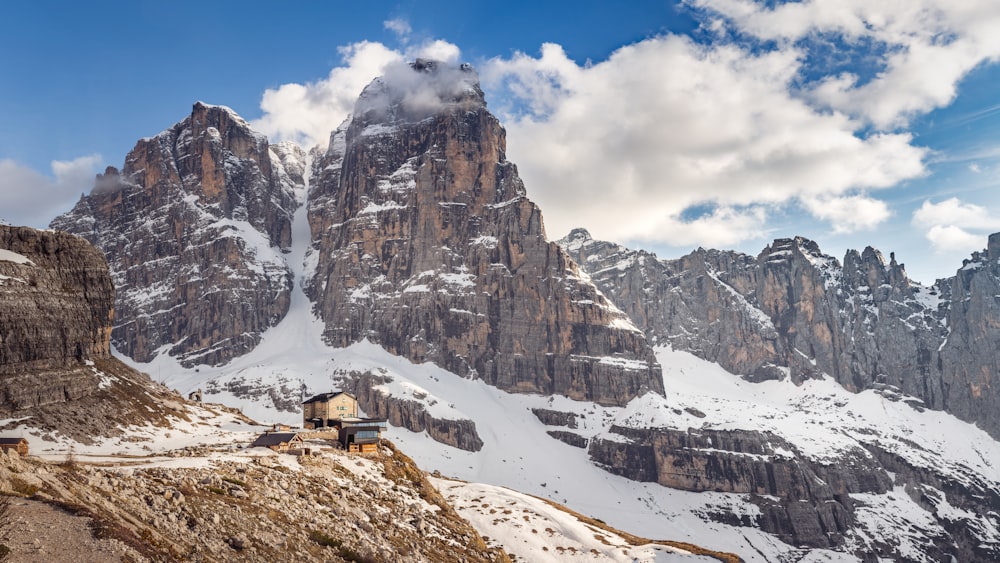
point(278, 441)
point(20, 445)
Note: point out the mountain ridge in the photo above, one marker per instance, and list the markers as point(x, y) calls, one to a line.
point(793, 311)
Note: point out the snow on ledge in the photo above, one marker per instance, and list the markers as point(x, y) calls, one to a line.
point(10, 256)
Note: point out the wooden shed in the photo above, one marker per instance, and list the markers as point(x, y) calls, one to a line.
point(20, 445)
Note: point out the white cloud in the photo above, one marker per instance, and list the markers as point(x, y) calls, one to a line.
point(954, 211)
point(723, 228)
point(848, 214)
point(307, 113)
point(955, 226)
point(625, 146)
point(30, 198)
point(71, 174)
point(399, 26)
point(929, 45)
point(954, 240)
point(438, 50)
point(630, 146)
point(416, 95)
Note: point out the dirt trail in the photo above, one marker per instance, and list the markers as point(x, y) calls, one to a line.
point(42, 533)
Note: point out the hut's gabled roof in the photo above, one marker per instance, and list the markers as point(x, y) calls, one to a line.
point(268, 439)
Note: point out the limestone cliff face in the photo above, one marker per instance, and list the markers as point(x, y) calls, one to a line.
point(794, 310)
point(865, 323)
point(425, 242)
point(969, 359)
point(409, 414)
point(56, 306)
point(802, 502)
point(56, 312)
point(194, 228)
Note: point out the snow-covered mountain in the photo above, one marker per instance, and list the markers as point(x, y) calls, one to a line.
point(195, 227)
point(782, 407)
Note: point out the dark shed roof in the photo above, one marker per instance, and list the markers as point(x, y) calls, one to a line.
point(12, 441)
point(274, 439)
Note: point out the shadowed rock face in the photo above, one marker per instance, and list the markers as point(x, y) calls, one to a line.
point(425, 242)
point(194, 227)
point(792, 309)
point(56, 310)
point(969, 360)
point(802, 502)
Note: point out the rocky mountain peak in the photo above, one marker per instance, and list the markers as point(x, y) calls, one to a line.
point(576, 238)
point(993, 247)
point(794, 311)
point(224, 119)
point(198, 156)
point(195, 226)
point(410, 92)
point(782, 249)
point(425, 242)
point(869, 269)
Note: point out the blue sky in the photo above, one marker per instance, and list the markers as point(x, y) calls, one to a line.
point(657, 124)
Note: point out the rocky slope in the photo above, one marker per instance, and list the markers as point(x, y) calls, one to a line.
point(426, 243)
point(253, 506)
point(194, 227)
point(794, 310)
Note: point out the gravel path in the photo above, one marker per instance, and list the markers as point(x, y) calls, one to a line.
point(42, 533)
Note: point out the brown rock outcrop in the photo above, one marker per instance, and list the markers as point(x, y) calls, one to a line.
point(57, 300)
point(409, 414)
point(551, 417)
point(425, 242)
point(194, 228)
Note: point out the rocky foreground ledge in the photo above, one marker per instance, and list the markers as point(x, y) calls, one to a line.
point(200, 504)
